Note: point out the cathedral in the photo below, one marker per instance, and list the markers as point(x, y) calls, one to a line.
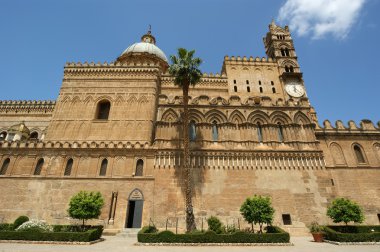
point(116, 128)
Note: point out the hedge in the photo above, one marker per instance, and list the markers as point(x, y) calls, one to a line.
point(352, 233)
point(277, 235)
point(91, 234)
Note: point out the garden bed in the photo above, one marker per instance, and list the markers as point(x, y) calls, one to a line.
point(352, 234)
point(60, 233)
point(274, 235)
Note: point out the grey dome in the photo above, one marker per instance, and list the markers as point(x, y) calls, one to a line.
point(143, 47)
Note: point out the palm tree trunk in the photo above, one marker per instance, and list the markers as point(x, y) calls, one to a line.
point(190, 220)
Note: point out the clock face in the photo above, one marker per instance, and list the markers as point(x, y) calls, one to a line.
point(295, 89)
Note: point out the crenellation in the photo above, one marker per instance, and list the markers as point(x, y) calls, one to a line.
point(366, 126)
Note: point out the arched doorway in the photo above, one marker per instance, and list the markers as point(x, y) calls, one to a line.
point(134, 209)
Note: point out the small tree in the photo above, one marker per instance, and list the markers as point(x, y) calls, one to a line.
point(345, 210)
point(257, 210)
point(215, 225)
point(85, 205)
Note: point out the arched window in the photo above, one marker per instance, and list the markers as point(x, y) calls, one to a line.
point(139, 167)
point(272, 83)
point(359, 154)
point(287, 52)
point(4, 167)
point(280, 132)
point(283, 52)
point(68, 168)
point(214, 131)
point(34, 135)
point(192, 131)
point(103, 110)
point(3, 135)
point(39, 165)
point(291, 69)
point(261, 89)
point(248, 89)
point(273, 90)
point(287, 69)
point(259, 133)
point(103, 168)
point(247, 82)
point(235, 88)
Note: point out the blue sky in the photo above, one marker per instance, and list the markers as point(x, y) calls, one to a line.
point(337, 42)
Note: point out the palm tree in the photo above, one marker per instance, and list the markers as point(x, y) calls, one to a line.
point(185, 70)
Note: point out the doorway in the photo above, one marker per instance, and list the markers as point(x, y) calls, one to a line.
point(134, 210)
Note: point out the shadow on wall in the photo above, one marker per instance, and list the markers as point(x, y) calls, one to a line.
point(197, 163)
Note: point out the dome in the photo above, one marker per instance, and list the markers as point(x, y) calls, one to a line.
point(144, 47)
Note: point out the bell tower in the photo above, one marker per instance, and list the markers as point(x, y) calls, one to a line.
point(279, 45)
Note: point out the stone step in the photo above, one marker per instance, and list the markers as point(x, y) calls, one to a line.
point(129, 232)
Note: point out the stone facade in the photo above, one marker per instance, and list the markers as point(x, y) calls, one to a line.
point(116, 128)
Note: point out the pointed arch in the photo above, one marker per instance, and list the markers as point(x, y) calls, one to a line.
point(119, 99)
point(337, 154)
point(359, 153)
point(301, 118)
point(89, 99)
point(215, 115)
point(288, 63)
point(236, 115)
point(280, 117)
point(258, 116)
point(143, 100)
point(170, 116)
point(196, 116)
point(104, 97)
point(131, 100)
point(76, 99)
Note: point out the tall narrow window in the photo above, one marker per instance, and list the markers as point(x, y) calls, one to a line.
point(291, 69)
point(38, 168)
point(280, 132)
point(235, 88)
point(3, 135)
point(287, 69)
point(234, 81)
point(192, 131)
point(272, 83)
point(34, 135)
point(103, 168)
point(68, 168)
point(259, 82)
point(287, 52)
point(139, 167)
point(4, 167)
point(273, 90)
point(359, 154)
point(214, 131)
point(247, 81)
point(283, 52)
point(103, 110)
point(261, 89)
point(248, 89)
point(259, 133)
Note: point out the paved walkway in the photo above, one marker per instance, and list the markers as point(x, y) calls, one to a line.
point(116, 244)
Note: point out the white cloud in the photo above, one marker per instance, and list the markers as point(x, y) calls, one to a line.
point(321, 17)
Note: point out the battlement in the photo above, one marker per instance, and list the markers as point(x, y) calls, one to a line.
point(26, 106)
point(366, 126)
point(250, 59)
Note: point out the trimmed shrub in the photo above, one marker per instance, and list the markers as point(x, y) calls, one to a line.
point(214, 224)
point(20, 220)
point(280, 236)
point(93, 233)
point(149, 230)
point(352, 233)
point(6, 227)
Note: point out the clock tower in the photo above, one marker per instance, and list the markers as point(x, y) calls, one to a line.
point(280, 47)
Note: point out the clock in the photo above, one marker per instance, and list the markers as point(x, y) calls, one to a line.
point(295, 89)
